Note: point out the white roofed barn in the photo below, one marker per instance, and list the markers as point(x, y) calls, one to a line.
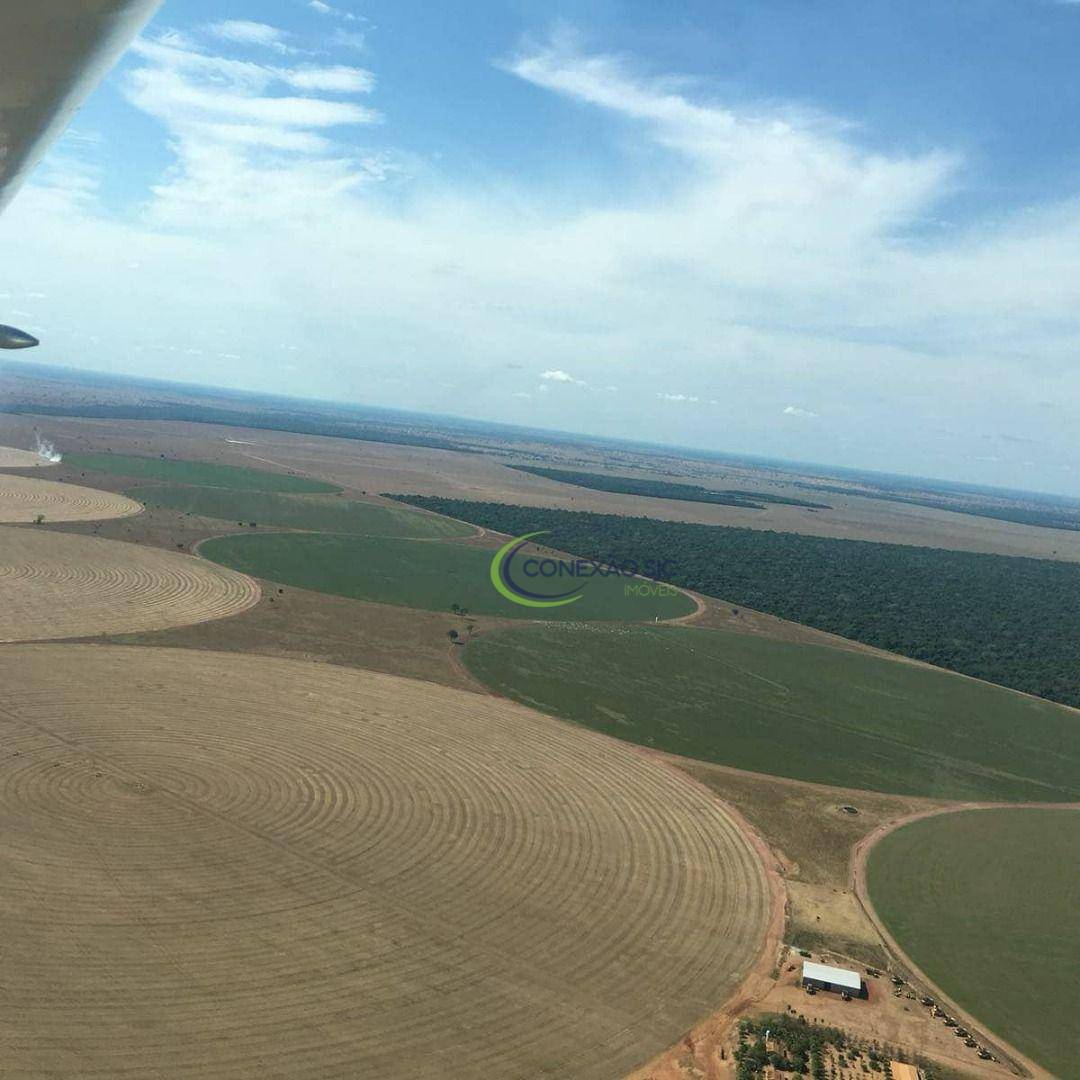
point(839, 980)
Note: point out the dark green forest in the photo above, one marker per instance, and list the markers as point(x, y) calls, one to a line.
point(1010, 620)
point(667, 489)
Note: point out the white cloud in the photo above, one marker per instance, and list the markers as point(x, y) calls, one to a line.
point(688, 399)
point(772, 248)
point(243, 32)
point(565, 378)
point(791, 165)
point(329, 9)
point(349, 39)
point(245, 147)
point(336, 79)
point(169, 95)
point(212, 75)
point(795, 410)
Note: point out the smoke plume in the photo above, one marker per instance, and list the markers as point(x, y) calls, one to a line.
point(47, 451)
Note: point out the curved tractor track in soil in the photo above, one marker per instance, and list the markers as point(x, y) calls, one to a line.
point(57, 585)
point(24, 499)
point(223, 866)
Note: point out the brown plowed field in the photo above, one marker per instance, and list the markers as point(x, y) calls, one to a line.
point(26, 498)
point(56, 585)
point(222, 866)
point(10, 458)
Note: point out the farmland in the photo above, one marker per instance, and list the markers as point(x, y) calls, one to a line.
point(1004, 619)
point(202, 473)
point(986, 903)
point(24, 499)
point(317, 513)
point(419, 574)
point(12, 458)
point(54, 585)
point(801, 711)
point(279, 868)
point(258, 742)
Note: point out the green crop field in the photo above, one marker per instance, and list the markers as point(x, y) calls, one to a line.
point(987, 903)
point(420, 574)
point(315, 513)
point(803, 711)
point(202, 473)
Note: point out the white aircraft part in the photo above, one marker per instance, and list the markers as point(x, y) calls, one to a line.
point(52, 54)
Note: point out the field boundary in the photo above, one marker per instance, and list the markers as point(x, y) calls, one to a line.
point(699, 600)
point(462, 543)
point(707, 1035)
point(1020, 1062)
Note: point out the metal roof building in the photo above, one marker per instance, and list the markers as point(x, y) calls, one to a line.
point(823, 977)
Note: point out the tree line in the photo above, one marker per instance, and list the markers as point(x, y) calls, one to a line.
point(668, 489)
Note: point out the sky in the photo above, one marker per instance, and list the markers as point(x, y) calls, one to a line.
point(837, 232)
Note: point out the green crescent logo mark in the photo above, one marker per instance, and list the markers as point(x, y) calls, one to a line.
point(507, 587)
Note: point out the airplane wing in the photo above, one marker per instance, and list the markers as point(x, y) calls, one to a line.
point(52, 54)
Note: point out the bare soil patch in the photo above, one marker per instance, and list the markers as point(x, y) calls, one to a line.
point(884, 1017)
point(814, 841)
point(10, 458)
point(302, 625)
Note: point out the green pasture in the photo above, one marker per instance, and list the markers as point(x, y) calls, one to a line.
point(804, 711)
point(200, 473)
point(315, 513)
point(419, 574)
point(987, 903)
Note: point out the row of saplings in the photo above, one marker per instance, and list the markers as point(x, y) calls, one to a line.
point(796, 1045)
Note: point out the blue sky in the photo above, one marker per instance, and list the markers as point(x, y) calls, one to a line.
point(838, 232)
